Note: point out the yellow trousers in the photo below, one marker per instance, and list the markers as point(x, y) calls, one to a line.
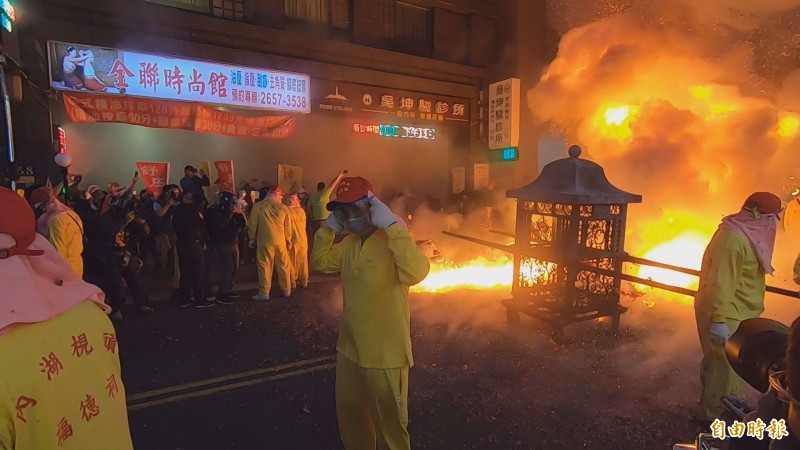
point(372, 406)
point(299, 255)
point(271, 257)
point(717, 376)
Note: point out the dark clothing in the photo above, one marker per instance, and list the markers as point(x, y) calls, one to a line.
point(189, 225)
point(195, 185)
point(111, 277)
point(226, 259)
point(223, 225)
point(192, 262)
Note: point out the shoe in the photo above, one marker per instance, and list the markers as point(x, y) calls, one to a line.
point(287, 294)
point(205, 304)
point(260, 297)
point(186, 303)
point(232, 295)
point(147, 310)
point(304, 286)
point(211, 298)
point(116, 316)
point(225, 300)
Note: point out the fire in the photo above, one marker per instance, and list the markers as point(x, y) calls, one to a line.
point(479, 273)
point(613, 121)
point(788, 126)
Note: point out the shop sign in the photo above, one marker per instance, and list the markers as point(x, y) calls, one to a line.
point(88, 108)
point(75, 67)
point(193, 5)
point(395, 131)
point(504, 118)
point(351, 98)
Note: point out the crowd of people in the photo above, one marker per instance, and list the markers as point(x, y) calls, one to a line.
point(113, 237)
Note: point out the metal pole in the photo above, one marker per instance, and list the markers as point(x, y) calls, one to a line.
point(9, 129)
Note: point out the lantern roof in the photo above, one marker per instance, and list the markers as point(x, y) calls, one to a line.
point(573, 181)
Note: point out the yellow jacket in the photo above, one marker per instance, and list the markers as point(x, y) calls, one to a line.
point(65, 232)
point(297, 219)
point(61, 387)
point(374, 330)
point(732, 282)
point(269, 223)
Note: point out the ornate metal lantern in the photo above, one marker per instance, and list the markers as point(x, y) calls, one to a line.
point(570, 236)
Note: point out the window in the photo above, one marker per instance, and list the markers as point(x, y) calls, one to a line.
point(412, 23)
point(228, 9)
point(193, 5)
point(314, 11)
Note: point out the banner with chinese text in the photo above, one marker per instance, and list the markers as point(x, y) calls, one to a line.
point(370, 101)
point(76, 67)
point(88, 108)
point(154, 174)
point(290, 178)
point(504, 118)
point(225, 176)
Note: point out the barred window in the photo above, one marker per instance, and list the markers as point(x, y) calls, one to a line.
point(228, 9)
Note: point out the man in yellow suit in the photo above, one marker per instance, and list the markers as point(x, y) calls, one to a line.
point(61, 386)
point(732, 287)
point(60, 225)
point(299, 251)
point(378, 262)
point(271, 234)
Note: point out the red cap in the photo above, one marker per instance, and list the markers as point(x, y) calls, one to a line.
point(350, 189)
point(276, 190)
point(18, 221)
point(766, 202)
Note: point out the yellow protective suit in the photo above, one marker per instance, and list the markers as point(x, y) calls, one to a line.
point(732, 286)
point(299, 251)
point(270, 227)
point(65, 390)
point(318, 203)
point(65, 232)
point(374, 344)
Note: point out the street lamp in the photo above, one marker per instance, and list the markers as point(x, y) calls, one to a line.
point(63, 161)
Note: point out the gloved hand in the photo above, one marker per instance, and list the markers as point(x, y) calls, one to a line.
point(720, 332)
point(380, 214)
point(333, 224)
point(252, 244)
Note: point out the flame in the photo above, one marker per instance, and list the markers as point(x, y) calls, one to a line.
point(788, 125)
point(614, 120)
point(479, 273)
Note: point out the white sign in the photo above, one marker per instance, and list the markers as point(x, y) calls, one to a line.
point(504, 118)
point(459, 179)
point(481, 176)
point(83, 68)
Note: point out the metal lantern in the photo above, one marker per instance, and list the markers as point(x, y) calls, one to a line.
point(570, 240)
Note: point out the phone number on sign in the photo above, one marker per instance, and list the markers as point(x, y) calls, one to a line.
point(288, 101)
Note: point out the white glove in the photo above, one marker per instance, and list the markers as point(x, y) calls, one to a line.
point(380, 214)
point(720, 332)
point(333, 224)
point(251, 244)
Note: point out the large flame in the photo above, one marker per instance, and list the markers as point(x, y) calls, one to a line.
point(480, 273)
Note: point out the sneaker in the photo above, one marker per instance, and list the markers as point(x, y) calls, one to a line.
point(225, 300)
point(116, 316)
point(147, 310)
point(205, 304)
point(287, 294)
point(186, 303)
point(211, 298)
point(232, 295)
point(260, 297)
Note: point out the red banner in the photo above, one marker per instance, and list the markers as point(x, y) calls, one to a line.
point(225, 176)
point(91, 108)
point(154, 174)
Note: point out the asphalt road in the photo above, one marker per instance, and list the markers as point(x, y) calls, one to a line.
point(259, 376)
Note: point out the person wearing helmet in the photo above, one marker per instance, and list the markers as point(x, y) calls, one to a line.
point(225, 221)
point(65, 389)
point(299, 251)
point(60, 225)
point(270, 233)
point(378, 262)
point(732, 287)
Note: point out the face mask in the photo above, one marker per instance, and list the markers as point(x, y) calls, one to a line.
point(360, 226)
point(39, 209)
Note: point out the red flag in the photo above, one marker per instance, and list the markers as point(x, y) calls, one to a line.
point(154, 174)
point(225, 175)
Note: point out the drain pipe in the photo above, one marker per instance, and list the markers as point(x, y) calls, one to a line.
point(9, 129)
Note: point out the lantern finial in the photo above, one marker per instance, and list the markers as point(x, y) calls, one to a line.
point(574, 151)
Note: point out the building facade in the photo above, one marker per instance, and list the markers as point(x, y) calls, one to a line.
point(414, 65)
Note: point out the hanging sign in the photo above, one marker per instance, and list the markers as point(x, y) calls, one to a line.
point(459, 175)
point(504, 115)
point(88, 108)
point(396, 131)
point(76, 67)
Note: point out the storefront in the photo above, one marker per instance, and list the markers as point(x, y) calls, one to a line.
point(119, 107)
